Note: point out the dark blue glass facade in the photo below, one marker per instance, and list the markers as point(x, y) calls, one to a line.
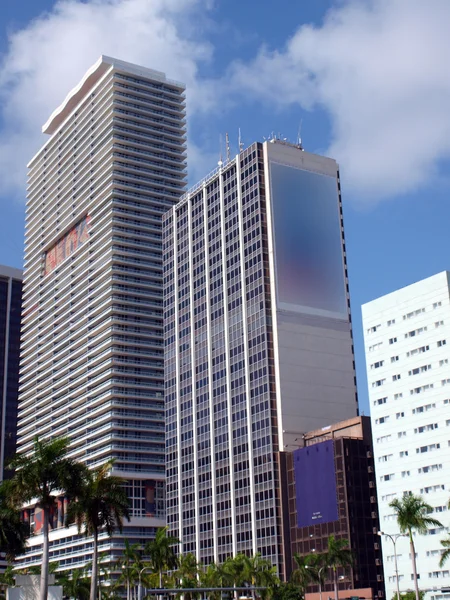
point(10, 314)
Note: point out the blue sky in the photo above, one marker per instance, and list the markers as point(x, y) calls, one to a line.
point(367, 79)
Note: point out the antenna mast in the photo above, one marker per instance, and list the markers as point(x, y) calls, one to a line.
point(299, 135)
point(241, 143)
point(227, 143)
point(220, 162)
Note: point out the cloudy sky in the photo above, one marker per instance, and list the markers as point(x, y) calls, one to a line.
point(367, 80)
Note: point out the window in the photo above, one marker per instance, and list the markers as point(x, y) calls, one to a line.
point(385, 458)
point(445, 381)
point(401, 434)
point(378, 383)
point(373, 329)
point(406, 473)
point(387, 477)
point(414, 313)
point(432, 488)
point(377, 364)
point(437, 304)
point(418, 350)
point(441, 343)
point(415, 332)
point(381, 420)
point(439, 323)
point(403, 453)
point(424, 428)
point(400, 415)
point(397, 396)
point(375, 346)
point(394, 359)
point(443, 362)
point(392, 340)
point(380, 401)
point(422, 388)
point(424, 408)
point(396, 377)
point(384, 438)
point(390, 322)
point(388, 498)
point(430, 468)
point(428, 448)
point(418, 370)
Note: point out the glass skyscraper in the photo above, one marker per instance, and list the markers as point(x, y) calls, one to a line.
point(10, 309)
point(92, 364)
point(258, 343)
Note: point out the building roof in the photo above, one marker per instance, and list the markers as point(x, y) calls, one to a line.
point(89, 80)
point(11, 272)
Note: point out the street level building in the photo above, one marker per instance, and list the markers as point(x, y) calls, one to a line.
point(258, 342)
point(332, 491)
point(92, 364)
point(407, 346)
point(10, 310)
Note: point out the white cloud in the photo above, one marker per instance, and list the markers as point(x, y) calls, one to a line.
point(49, 56)
point(379, 68)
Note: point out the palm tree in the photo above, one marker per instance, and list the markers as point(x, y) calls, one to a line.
point(287, 591)
point(76, 585)
point(262, 574)
point(13, 530)
point(161, 552)
point(131, 564)
point(309, 570)
point(212, 577)
point(338, 554)
point(446, 553)
point(412, 515)
point(100, 503)
point(187, 574)
point(40, 475)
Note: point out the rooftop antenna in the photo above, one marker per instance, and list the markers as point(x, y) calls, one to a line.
point(241, 143)
point(220, 161)
point(227, 144)
point(299, 134)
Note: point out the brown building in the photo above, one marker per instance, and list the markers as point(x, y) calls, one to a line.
point(332, 491)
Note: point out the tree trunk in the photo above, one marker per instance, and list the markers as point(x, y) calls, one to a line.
point(94, 575)
point(335, 580)
point(414, 566)
point(44, 569)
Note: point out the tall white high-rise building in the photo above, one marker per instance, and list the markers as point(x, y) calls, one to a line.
point(258, 343)
point(407, 344)
point(92, 335)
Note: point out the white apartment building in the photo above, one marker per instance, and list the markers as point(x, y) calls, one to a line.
point(92, 358)
point(407, 346)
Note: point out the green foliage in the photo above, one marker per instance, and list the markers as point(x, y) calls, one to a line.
point(187, 575)
point(13, 531)
point(41, 475)
point(287, 591)
point(413, 514)
point(101, 502)
point(44, 472)
point(409, 596)
point(76, 585)
point(445, 543)
point(337, 554)
point(161, 552)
